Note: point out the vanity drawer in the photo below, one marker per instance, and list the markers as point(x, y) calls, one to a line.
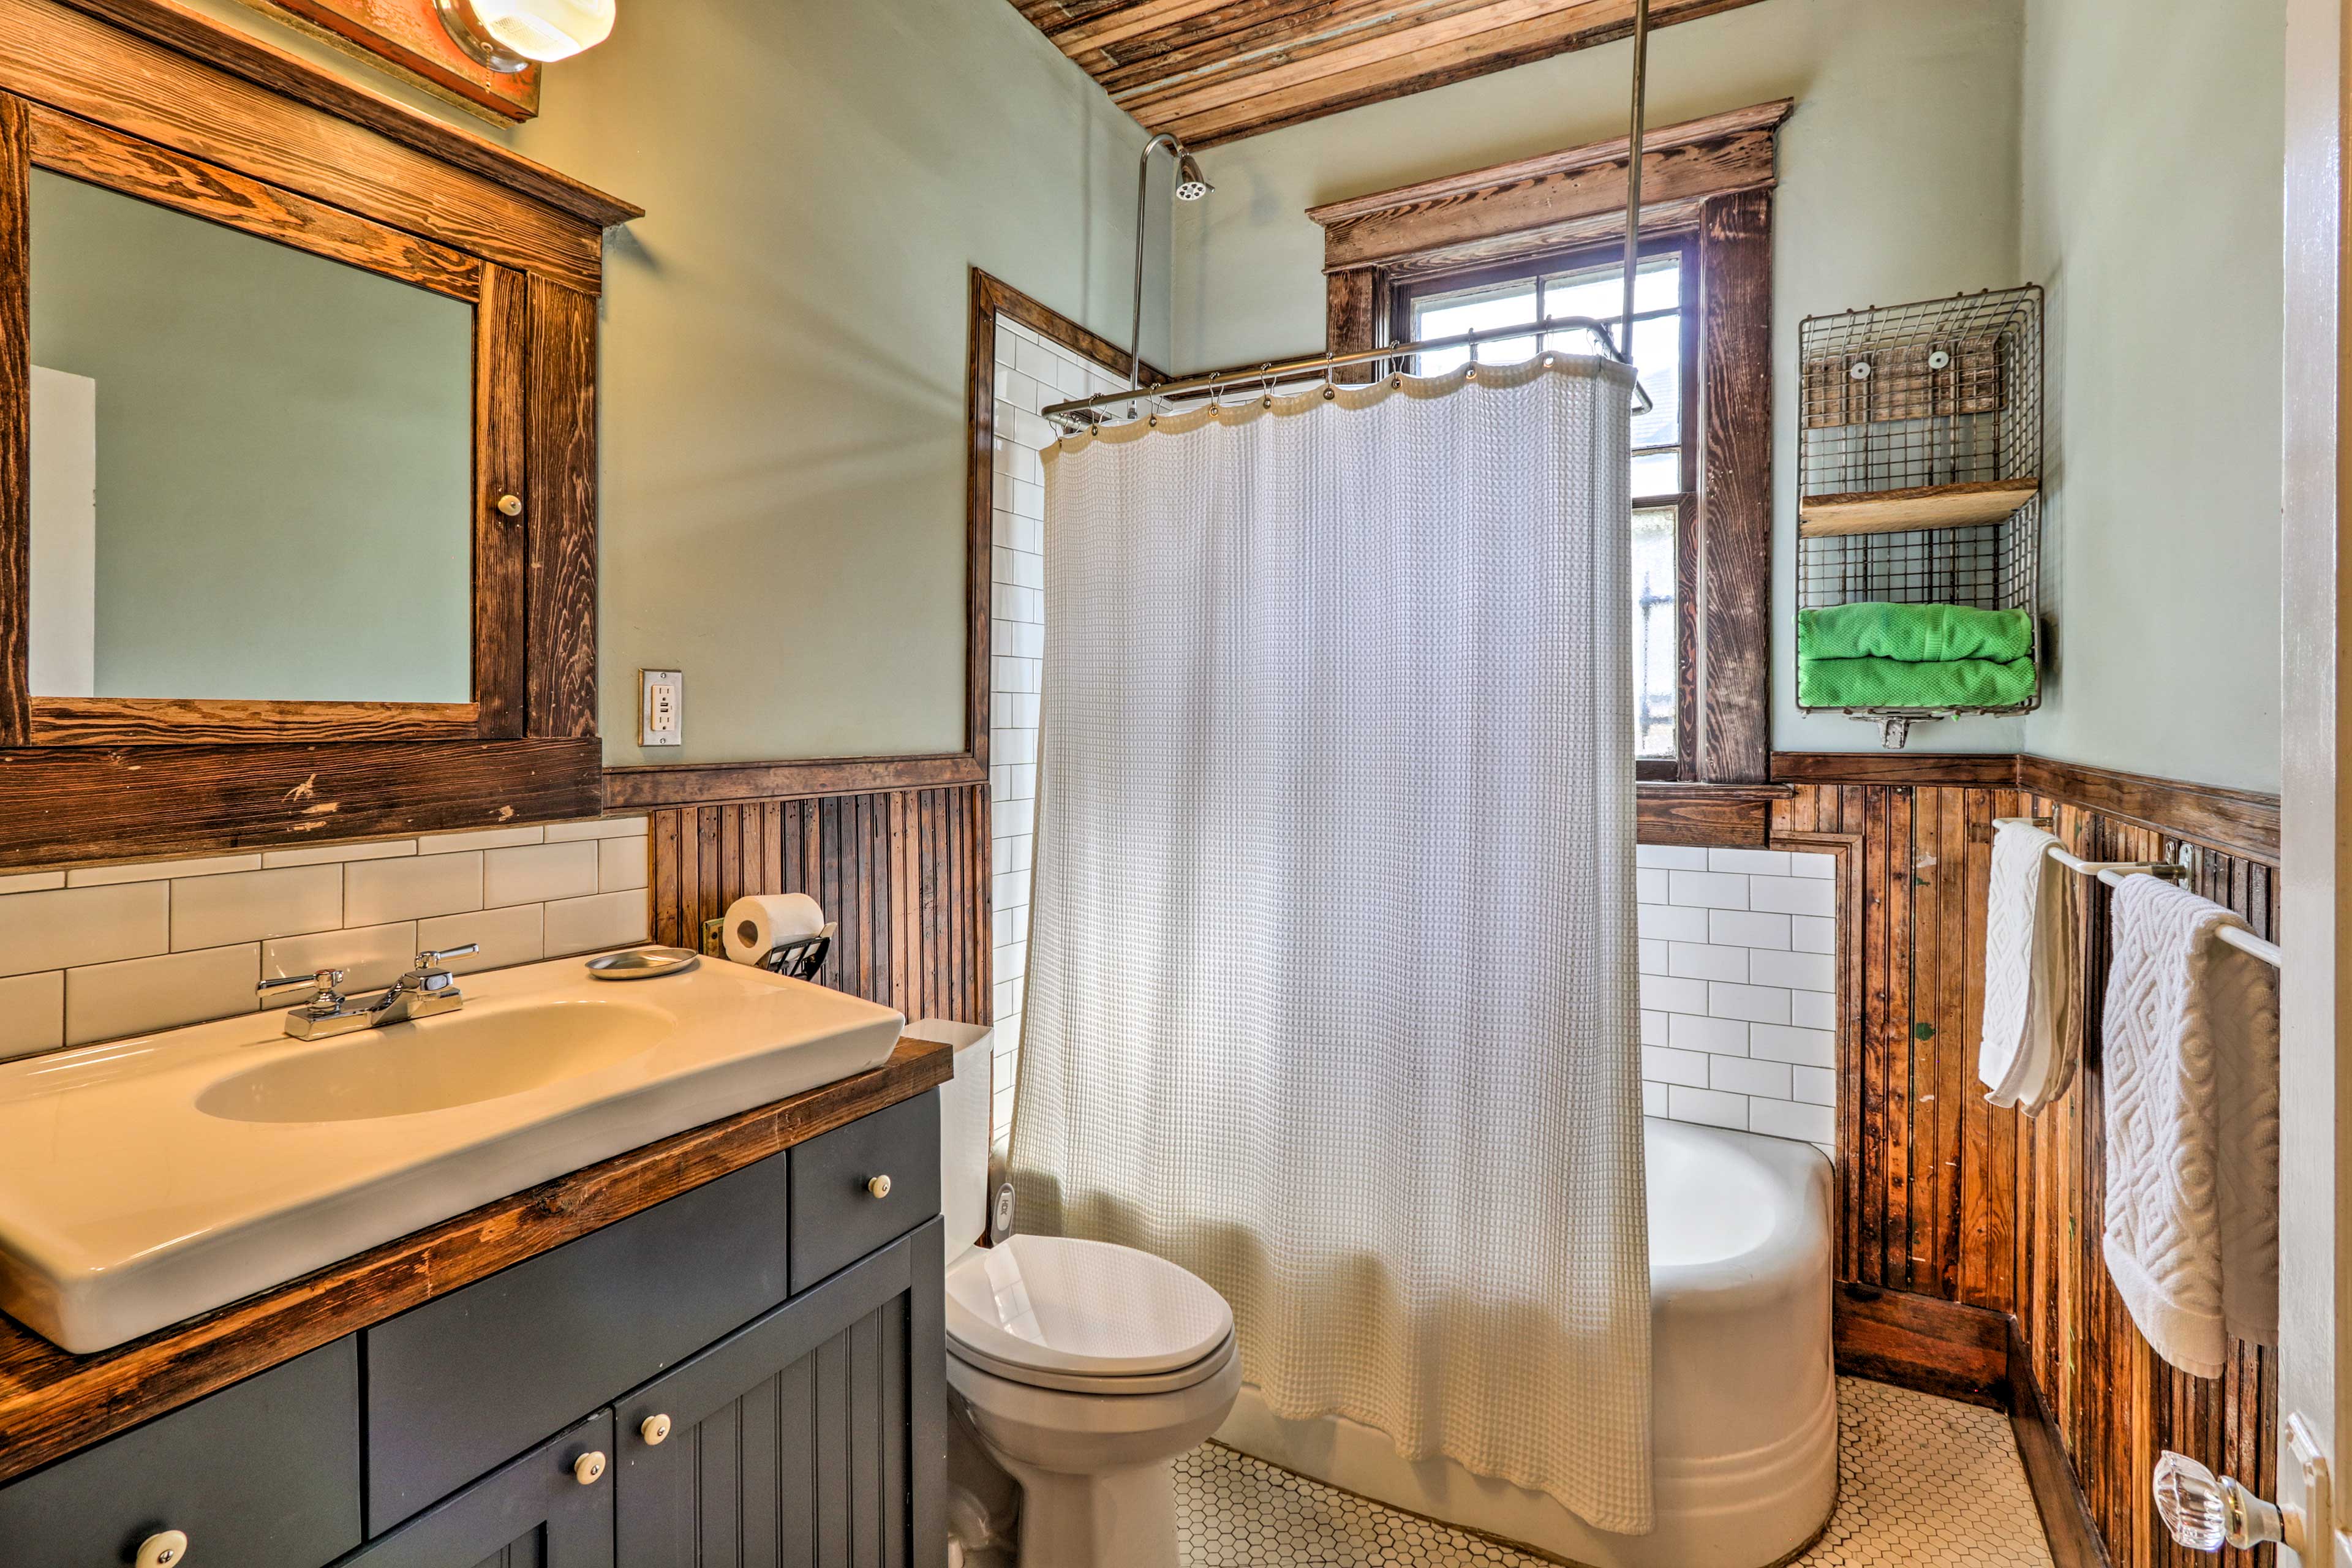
point(836, 1218)
point(461, 1384)
point(264, 1474)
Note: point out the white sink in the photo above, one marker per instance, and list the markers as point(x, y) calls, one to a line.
point(149, 1180)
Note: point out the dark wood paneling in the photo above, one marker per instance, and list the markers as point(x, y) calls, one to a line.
point(1698, 158)
point(53, 1404)
point(1946, 1198)
point(502, 469)
point(1212, 73)
point(1720, 814)
point(692, 783)
point(407, 38)
point(1925, 1342)
point(280, 71)
point(2065, 1516)
point(1996, 769)
point(904, 874)
point(989, 298)
point(185, 722)
point(1735, 537)
point(78, 64)
point(16, 420)
point(1351, 313)
point(68, 805)
point(561, 513)
point(73, 146)
point(2239, 822)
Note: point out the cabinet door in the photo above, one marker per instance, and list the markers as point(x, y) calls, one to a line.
point(812, 1438)
point(536, 1512)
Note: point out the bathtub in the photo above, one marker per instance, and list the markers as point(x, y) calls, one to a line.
point(1746, 1393)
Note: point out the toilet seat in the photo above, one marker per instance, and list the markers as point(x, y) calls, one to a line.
point(1087, 1317)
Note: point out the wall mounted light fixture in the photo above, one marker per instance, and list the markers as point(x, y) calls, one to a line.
point(515, 35)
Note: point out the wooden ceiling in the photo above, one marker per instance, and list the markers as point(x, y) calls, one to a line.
point(1216, 70)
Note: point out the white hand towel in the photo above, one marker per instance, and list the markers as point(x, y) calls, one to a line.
point(2027, 1056)
point(2192, 1093)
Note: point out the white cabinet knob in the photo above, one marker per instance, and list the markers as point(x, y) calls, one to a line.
point(163, 1549)
point(655, 1430)
point(588, 1468)
point(879, 1186)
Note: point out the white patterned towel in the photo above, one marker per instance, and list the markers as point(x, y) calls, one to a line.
point(2027, 1056)
point(2192, 1092)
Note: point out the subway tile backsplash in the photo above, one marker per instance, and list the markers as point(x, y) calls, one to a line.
point(1740, 989)
point(102, 953)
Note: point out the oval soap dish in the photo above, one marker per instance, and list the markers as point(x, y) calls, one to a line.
point(642, 964)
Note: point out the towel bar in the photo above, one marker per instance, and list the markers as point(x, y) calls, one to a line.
point(2113, 872)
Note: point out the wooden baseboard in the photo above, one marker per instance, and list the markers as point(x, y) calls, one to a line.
point(1922, 1342)
point(2065, 1516)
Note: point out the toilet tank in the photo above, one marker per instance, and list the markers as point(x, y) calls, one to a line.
point(966, 1106)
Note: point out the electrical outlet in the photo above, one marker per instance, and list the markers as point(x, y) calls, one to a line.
point(661, 708)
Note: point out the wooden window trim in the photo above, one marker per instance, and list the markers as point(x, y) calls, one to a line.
point(175, 109)
point(1404, 292)
point(1711, 179)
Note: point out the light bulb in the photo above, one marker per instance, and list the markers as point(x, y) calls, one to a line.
point(514, 35)
point(547, 29)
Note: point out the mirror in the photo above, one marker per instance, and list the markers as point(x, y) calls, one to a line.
point(252, 467)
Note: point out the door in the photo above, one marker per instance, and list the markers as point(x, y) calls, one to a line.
point(812, 1438)
point(2315, 843)
point(550, 1508)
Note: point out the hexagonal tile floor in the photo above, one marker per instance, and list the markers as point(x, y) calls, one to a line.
point(1921, 1481)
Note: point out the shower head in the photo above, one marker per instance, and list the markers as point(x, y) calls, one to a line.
point(1190, 183)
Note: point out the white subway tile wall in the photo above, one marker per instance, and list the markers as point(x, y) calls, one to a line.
point(105, 952)
point(1739, 990)
point(1030, 374)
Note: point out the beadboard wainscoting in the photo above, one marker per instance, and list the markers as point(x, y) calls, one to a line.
point(1954, 1212)
point(103, 951)
point(903, 874)
point(1740, 989)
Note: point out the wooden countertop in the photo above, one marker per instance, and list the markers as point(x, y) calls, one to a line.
point(53, 1404)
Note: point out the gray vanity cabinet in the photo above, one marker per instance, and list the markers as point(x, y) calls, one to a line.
point(546, 1510)
point(752, 1372)
point(801, 1438)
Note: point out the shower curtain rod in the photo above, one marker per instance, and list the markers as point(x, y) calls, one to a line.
point(1078, 410)
point(1081, 411)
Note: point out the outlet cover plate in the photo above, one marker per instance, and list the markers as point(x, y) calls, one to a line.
point(661, 708)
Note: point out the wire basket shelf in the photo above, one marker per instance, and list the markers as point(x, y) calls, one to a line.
point(1919, 457)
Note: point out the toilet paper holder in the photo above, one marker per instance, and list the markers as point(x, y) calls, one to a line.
point(799, 959)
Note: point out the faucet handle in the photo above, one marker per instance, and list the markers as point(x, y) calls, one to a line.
point(430, 958)
point(324, 981)
point(327, 998)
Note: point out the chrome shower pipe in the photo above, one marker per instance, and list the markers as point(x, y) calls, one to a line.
point(1633, 163)
point(1191, 190)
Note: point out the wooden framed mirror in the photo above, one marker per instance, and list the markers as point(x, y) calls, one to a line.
point(297, 452)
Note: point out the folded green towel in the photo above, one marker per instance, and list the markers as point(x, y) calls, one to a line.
point(1916, 634)
point(1897, 683)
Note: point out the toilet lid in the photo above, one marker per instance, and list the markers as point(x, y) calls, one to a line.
point(1085, 1308)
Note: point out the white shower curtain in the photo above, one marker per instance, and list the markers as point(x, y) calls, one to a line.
point(1331, 992)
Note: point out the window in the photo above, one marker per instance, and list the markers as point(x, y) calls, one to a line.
point(1555, 287)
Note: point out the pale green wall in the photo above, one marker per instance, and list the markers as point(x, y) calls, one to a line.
point(285, 458)
point(782, 415)
point(1898, 181)
point(2153, 154)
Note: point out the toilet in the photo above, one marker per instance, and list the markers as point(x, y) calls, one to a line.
point(1078, 1368)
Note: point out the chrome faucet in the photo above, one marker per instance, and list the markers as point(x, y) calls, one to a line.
point(423, 992)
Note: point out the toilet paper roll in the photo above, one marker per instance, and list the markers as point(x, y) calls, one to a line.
point(756, 925)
